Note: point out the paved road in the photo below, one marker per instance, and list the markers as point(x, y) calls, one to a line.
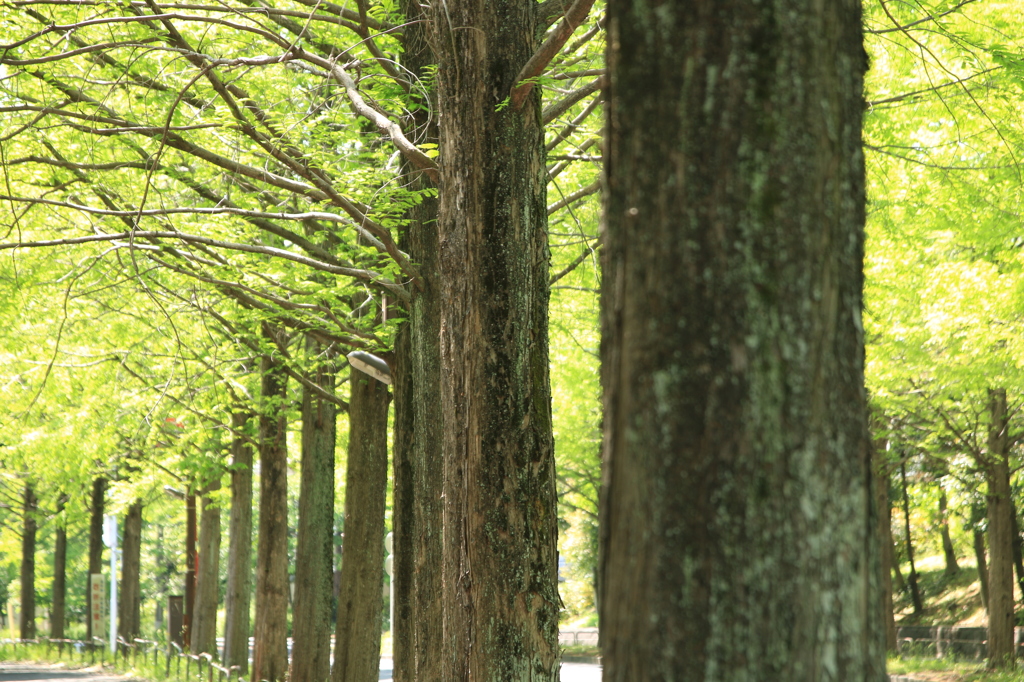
point(27, 672)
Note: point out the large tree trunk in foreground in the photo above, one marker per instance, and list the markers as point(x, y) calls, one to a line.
point(204, 622)
point(416, 509)
point(270, 655)
point(738, 517)
point(28, 564)
point(500, 598)
point(60, 561)
point(1000, 537)
point(239, 587)
point(99, 488)
point(311, 622)
point(357, 636)
point(129, 598)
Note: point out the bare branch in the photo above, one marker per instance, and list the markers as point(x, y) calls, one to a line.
point(575, 16)
point(558, 108)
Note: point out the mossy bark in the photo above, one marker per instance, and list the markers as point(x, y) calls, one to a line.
point(311, 622)
point(416, 513)
point(499, 599)
point(238, 595)
point(360, 606)
point(129, 599)
point(270, 648)
point(739, 537)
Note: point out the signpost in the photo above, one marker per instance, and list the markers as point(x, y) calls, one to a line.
point(96, 599)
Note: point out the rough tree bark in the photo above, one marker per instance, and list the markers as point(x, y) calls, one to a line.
point(311, 620)
point(738, 515)
point(129, 598)
point(99, 489)
point(204, 620)
point(1000, 536)
point(499, 598)
point(60, 559)
point(270, 655)
point(237, 596)
point(417, 510)
point(357, 635)
point(27, 613)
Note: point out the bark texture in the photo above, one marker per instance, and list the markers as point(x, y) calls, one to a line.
point(99, 489)
point(204, 621)
point(311, 621)
point(27, 613)
point(60, 561)
point(499, 595)
point(1000, 536)
point(270, 655)
point(738, 526)
point(129, 598)
point(357, 635)
point(417, 511)
point(238, 594)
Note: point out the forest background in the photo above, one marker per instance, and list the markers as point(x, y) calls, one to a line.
point(176, 172)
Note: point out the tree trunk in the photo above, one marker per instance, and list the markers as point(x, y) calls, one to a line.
point(191, 561)
point(1000, 537)
point(239, 587)
point(311, 622)
point(204, 622)
point(357, 636)
point(739, 538)
point(28, 564)
point(897, 572)
point(129, 597)
point(881, 478)
point(947, 542)
point(270, 655)
point(915, 592)
point(979, 555)
point(99, 488)
point(418, 466)
point(60, 561)
point(499, 562)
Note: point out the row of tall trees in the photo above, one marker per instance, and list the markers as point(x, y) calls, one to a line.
point(274, 185)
